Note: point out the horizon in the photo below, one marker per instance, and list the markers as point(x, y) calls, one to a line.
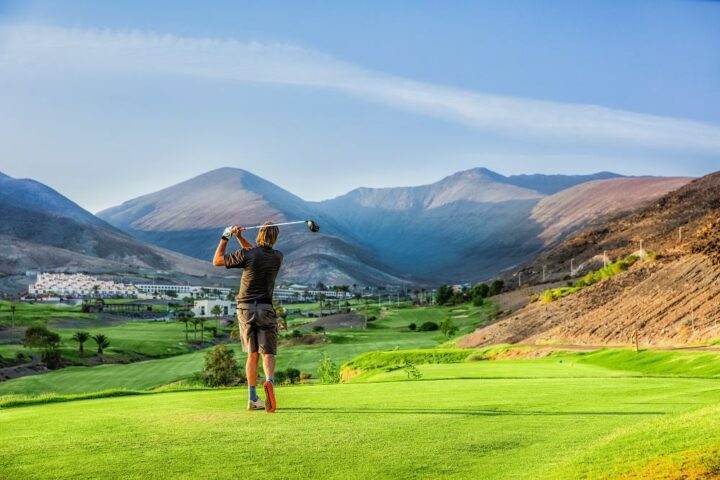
point(509, 86)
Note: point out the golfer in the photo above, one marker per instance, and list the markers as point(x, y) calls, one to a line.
point(255, 312)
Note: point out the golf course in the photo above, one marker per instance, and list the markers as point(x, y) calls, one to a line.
point(556, 417)
point(409, 402)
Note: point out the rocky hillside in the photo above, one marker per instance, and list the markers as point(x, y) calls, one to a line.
point(41, 229)
point(670, 298)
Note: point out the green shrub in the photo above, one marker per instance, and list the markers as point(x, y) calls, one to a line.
point(318, 329)
point(296, 333)
point(496, 287)
point(448, 327)
point(412, 326)
point(280, 377)
point(443, 294)
point(412, 371)
point(293, 375)
point(305, 376)
point(38, 336)
point(51, 357)
point(475, 357)
point(429, 327)
point(328, 370)
point(477, 299)
point(221, 368)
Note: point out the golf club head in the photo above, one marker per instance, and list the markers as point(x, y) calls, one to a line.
point(314, 227)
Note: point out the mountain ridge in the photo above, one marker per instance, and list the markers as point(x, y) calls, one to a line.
point(476, 223)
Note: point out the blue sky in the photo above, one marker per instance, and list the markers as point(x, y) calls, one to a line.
point(323, 97)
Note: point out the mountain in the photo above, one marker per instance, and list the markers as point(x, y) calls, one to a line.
point(668, 299)
point(550, 184)
point(188, 217)
point(466, 227)
point(42, 229)
point(474, 224)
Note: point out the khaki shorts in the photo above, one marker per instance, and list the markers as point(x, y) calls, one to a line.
point(258, 328)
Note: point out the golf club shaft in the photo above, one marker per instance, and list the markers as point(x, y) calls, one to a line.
point(274, 225)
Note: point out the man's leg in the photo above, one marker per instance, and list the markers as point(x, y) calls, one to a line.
point(251, 370)
point(269, 367)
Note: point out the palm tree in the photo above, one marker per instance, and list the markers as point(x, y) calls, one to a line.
point(81, 338)
point(102, 342)
point(202, 321)
point(216, 311)
point(182, 316)
point(195, 324)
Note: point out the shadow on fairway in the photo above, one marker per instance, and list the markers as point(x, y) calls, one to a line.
point(440, 411)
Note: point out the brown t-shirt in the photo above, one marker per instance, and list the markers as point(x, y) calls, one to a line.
point(260, 268)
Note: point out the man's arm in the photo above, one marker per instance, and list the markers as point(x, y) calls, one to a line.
point(238, 234)
point(219, 258)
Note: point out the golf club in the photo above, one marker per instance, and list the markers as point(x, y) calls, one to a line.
point(311, 224)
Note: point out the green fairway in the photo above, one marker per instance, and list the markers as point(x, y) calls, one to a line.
point(128, 340)
point(553, 420)
point(28, 313)
point(160, 338)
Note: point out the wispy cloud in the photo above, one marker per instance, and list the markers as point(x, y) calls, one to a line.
point(33, 50)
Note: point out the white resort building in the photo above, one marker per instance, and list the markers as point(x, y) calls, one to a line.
point(180, 290)
point(78, 285)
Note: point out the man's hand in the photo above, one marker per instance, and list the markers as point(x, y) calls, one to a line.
point(237, 230)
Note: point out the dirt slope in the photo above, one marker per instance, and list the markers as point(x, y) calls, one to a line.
point(670, 301)
point(586, 202)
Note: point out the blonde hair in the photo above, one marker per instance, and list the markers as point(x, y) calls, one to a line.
point(267, 235)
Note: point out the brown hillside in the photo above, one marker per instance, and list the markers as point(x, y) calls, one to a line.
point(671, 300)
point(692, 207)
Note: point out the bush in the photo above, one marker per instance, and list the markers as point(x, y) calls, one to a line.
point(475, 357)
point(372, 318)
point(293, 375)
point(481, 290)
point(51, 357)
point(448, 327)
point(221, 368)
point(329, 371)
point(318, 329)
point(477, 299)
point(280, 377)
point(296, 334)
point(39, 336)
point(496, 287)
point(412, 371)
point(305, 376)
point(412, 326)
point(429, 327)
point(443, 294)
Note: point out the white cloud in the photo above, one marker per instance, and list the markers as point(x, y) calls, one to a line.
point(33, 50)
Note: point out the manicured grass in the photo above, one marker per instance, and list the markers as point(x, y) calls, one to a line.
point(387, 333)
point(28, 313)
point(649, 362)
point(547, 422)
point(151, 339)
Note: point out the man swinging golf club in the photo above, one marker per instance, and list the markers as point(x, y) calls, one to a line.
point(256, 315)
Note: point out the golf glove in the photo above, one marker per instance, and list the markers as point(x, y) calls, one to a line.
point(227, 233)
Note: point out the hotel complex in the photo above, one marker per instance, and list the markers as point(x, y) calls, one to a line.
point(78, 285)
